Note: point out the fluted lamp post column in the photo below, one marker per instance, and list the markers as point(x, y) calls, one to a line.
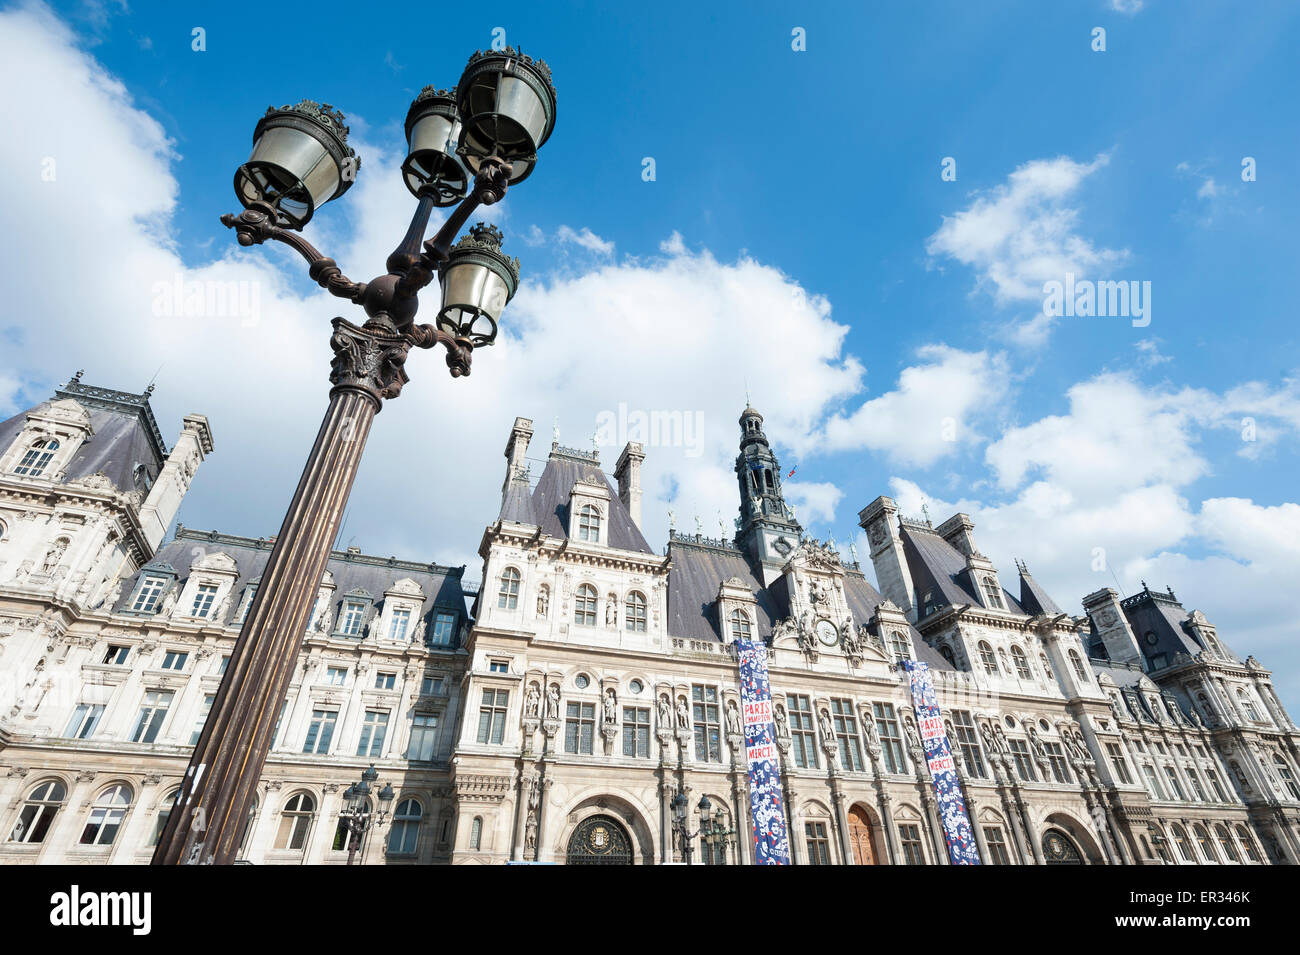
point(465, 147)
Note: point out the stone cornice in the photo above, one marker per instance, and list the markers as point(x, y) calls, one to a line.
point(567, 551)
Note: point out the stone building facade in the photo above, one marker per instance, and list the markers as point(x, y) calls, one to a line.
point(593, 680)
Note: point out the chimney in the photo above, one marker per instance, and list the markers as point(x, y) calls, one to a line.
point(628, 474)
point(880, 520)
point(164, 500)
point(516, 448)
point(1103, 607)
point(957, 531)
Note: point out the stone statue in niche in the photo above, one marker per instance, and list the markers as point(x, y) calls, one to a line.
point(533, 701)
point(683, 714)
point(611, 707)
point(733, 719)
point(824, 721)
point(611, 611)
point(782, 725)
point(665, 713)
point(553, 702)
point(54, 555)
point(543, 600)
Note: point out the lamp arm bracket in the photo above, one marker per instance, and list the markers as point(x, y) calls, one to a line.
point(254, 226)
point(459, 350)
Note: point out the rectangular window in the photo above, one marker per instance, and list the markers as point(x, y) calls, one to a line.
point(910, 836)
point(819, 845)
point(1153, 782)
point(373, 730)
point(580, 728)
point(969, 741)
point(498, 666)
point(354, 614)
point(249, 593)
point(1195, 780)
point(116, 656)
point(1218, 786)
point(385, 681)
point(400, 625)
point(1024, 765)
point(174, 660)
point(320, 733)
point(891, 738)
point(997, 845)
point(336, 676)
point(84, 720)
point(424, 737)
point(708, 728)
point(636, 731)
point(146, 598)
point(1056, 757)
point(444, 629)
point(431, 686)
point(803, 738)
point(492, 716)
point(221, 668)
point(1121, 765)
point(846, 735)
point(203, 599)
point(1175, 786)
point(208, 700)
point(153, 710)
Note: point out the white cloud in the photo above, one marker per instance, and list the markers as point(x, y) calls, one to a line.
point(930, 413)
point(813, 501)
point(586, 239)
point(1149, 354)
point(1127, 6)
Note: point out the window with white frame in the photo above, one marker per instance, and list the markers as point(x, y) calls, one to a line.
point(116, 654)
point(987, 657)
point(203, 599)
point(385, 681)
point(153, 711)
point(175, 660)
point(1024, 764)
point(636, 731)
point(295, 821)
point(1174, 785)
point(910, 837)
point(900, 646)
point(404, 835)
point(635, 617)
point(589, 523)
point(336, 676)
point(444, 629)
point(373, 730)
point(1021, 662)
point(969, 741)
point(740, 627)
point(847, 742)
point(400, 624)
point(39, 809)
point(579, 727)
point(149, 593)
point(584, 606)
point(492, 716)
point(1288, 777)
point(106, 816)
point(1056, 759)
point(320, 731)
point(508, 595)
point(891, 737)
point(1079, 669)
point(85, 717)
point(992, 594)
point(204, 710)
point(37, 458)
point(1247, 705)
point(424, 737)
point(250, 592)
point(354, 614)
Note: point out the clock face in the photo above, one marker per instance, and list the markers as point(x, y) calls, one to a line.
point(827, 633)
point(782, 546)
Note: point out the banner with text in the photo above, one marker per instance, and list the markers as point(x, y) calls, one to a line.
point(771, 841)
point(962, 849)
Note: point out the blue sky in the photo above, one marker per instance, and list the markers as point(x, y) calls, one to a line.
point(797, 240)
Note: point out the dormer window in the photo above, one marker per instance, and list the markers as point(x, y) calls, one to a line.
point(1077, 663)
point(400, 625)
point(988, 658)
point(354, 612)
point(991, 595)
point(151, 589)
point(444, 629)
point(900, 646)
point(508, 595)
point(589, 523)
point(740, 626)
point(203, 599)
point(37, 458)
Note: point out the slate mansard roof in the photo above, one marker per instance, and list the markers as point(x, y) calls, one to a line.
point(352, 572)
point(125, 434)
point(548, 505)
point(937, 565)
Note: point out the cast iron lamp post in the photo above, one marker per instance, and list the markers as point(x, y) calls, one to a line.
point(356, 815)
point(711, 829)
point(489, 127)
point(714, 832)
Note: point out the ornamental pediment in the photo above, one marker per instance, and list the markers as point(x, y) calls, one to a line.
point(217, 561)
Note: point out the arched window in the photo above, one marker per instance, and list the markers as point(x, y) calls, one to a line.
point(164, 811)
point(584, 606)
point(106, 816)
point(988, 658)
point(508, 595)
point(1247, 705)
point(1247, 843)
point(1047, 667)
point(1022, 663)
point(634, 618)
point(476, 833)
point(37, 458)
point(3, 530)
point(1288, 778)
point(1225, 840)
point(991, 594)
point(1203, 840)
point(900, 646)
point(740, 628)
point(406, 828)
point(588, 523)
point(41, 806)
point(1077, 662)
point(1180, 840)
point(947, 654)
point(295, 821)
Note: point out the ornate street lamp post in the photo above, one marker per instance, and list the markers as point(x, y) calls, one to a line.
point(713, 832)
point(490, 127)
point(356, 815)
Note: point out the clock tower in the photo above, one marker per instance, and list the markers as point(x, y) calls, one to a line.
point(768, 530)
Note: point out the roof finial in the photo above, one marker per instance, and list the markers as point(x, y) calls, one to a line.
point(555, 431)
point(926, 511)
point(699, 526)
point(76, 379)
point(672, 519)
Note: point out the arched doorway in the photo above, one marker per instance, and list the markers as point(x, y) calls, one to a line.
point(599, 840)
point(1058, 849)
point(862, 837)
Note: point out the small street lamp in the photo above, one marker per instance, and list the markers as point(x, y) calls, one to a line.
point(356, 815)
point(712, 832)
point(465, 146)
